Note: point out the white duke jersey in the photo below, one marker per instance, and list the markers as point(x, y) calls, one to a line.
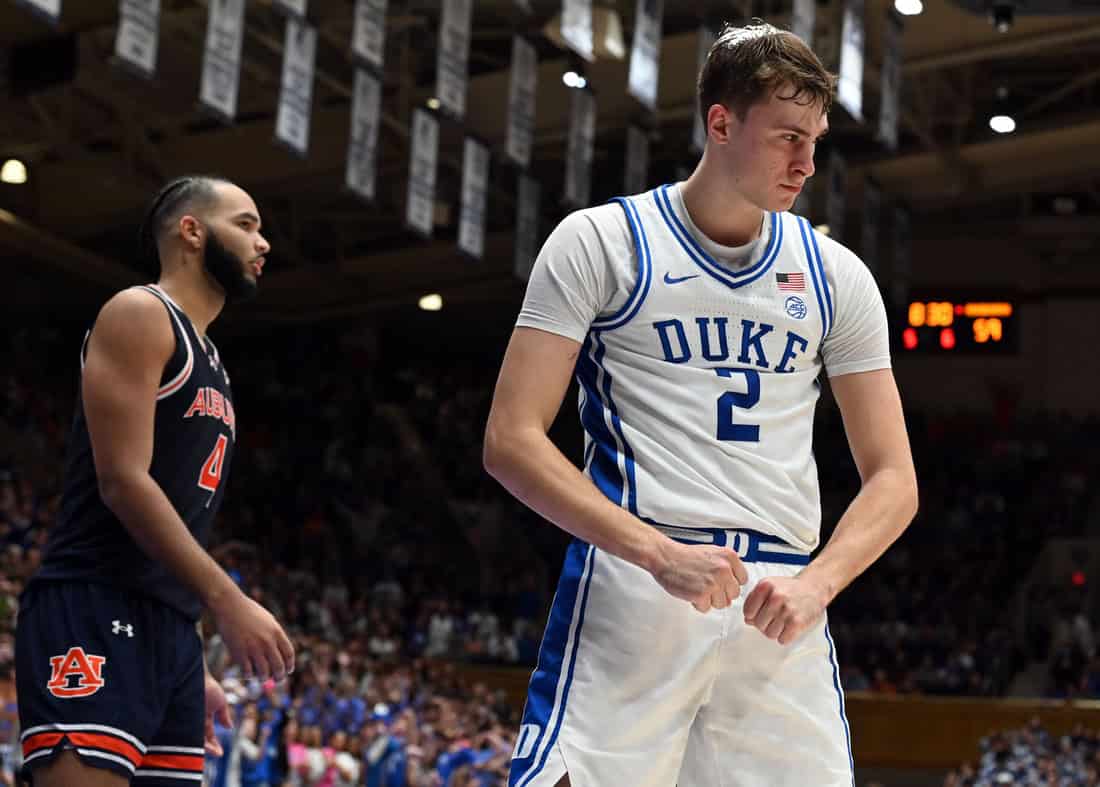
point(699, 363)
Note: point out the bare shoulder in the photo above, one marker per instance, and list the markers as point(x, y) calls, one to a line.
point(136, 322)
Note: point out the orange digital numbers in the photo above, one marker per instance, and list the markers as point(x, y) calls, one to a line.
point(987, 329)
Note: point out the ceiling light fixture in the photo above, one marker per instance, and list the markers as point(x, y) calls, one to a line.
point(431, 303)
point(908, 7)
point(14, 172)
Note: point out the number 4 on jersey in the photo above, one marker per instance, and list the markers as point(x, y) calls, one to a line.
point(211, 474)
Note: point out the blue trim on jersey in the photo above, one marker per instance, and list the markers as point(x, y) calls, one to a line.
point(804, 227)
point(824, 280)
point(710, 265)
point(645, 272)
point(576, 579)
point(604, 464)
point(840, 696)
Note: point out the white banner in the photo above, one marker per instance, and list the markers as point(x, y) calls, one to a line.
point(423, 157)
point(138, 35)
point(849, 89)
point(221, 60)
point(296, 8)
point(475, 188)
point(366, 106)
point(582, 136)
point(645, 54)
point(454, 52)
point(637, 160)
point(872, 210)
point(890, 106)
point(901, 271)
point(521, 101)
point(704, 42)
point(576, 27)
point(296, 91)
point(835, 195)
point(527, 227)
point(803, 18)
point(368, 36)
point(50, 10)
point(524, 6)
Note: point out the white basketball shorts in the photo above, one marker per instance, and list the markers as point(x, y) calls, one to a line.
point(636, 687)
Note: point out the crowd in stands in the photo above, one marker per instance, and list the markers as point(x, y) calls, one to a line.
point(1032, 757)
point(358, 513)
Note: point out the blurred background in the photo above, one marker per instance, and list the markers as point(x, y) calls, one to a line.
point(408, 158)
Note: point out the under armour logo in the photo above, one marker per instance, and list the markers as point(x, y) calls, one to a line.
point(118, 628)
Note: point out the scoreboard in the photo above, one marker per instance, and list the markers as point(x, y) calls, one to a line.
point(951, 325)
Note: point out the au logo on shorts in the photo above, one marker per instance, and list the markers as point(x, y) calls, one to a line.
point(76, 674)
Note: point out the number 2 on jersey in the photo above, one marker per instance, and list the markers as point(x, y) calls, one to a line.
point(211, 474)
point(727, 429)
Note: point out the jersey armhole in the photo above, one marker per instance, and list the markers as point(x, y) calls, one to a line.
point(170, 383)
point(645, 272)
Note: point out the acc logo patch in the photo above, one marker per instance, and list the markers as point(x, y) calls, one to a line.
point(796, 307)
point(76, 674)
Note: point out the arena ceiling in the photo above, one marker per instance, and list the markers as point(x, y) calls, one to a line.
point(99, 142)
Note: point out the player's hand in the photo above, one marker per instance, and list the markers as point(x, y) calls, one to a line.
point(709, 577)
point(783, 608)
point(255, 639)
point(217, 708)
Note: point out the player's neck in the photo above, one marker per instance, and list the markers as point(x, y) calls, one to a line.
point(198, 300)
point(720, 211)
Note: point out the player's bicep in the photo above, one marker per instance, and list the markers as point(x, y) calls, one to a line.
point(126, 354)
point(873, 420)
point(533, 380)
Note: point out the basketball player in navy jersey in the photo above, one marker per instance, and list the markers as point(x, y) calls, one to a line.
point(110, 675)
point(687, 644)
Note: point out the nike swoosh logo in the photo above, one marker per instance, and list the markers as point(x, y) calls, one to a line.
point(670, 280)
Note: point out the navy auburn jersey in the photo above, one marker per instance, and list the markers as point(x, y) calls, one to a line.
point(195, 430)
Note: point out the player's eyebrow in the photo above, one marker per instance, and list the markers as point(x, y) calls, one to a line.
point(248, 215)
point(802, 131)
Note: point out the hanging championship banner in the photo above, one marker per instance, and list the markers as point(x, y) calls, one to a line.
point(637, 160)
point(835, 195)
point(849, 89)
point(424, 153)
point(872, 208)
point(368, 36)
point(900, 274)
point(803, 18)
point(475, 187)
point(521, 102)
point(576, 27)
point(296, 92)
point(645, 54)
point(524, 6)
point(366, 107)
point(50, 10)
point(292, 7)
point(527, 227)
point(699, 130)
point(454, 53)
point(890, 105)
point(582, 137)
point(221, 60)
point(138, 35)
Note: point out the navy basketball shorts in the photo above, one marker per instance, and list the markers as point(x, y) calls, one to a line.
point(113, 676)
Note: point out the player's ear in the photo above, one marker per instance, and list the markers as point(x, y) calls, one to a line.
point(191, 230)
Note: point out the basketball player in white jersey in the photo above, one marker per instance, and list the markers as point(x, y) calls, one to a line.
point(687, 644)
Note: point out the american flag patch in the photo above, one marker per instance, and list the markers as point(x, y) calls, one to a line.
point(791, 281)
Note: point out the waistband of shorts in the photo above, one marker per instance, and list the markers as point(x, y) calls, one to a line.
point(750, 545)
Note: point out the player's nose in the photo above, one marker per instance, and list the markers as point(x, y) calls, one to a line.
point(262, 246)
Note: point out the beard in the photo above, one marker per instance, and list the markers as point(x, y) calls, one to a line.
point(228, 270)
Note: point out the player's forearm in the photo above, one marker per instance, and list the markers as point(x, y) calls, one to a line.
point(876, 517)
point(528, 464)
point(149, 517)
